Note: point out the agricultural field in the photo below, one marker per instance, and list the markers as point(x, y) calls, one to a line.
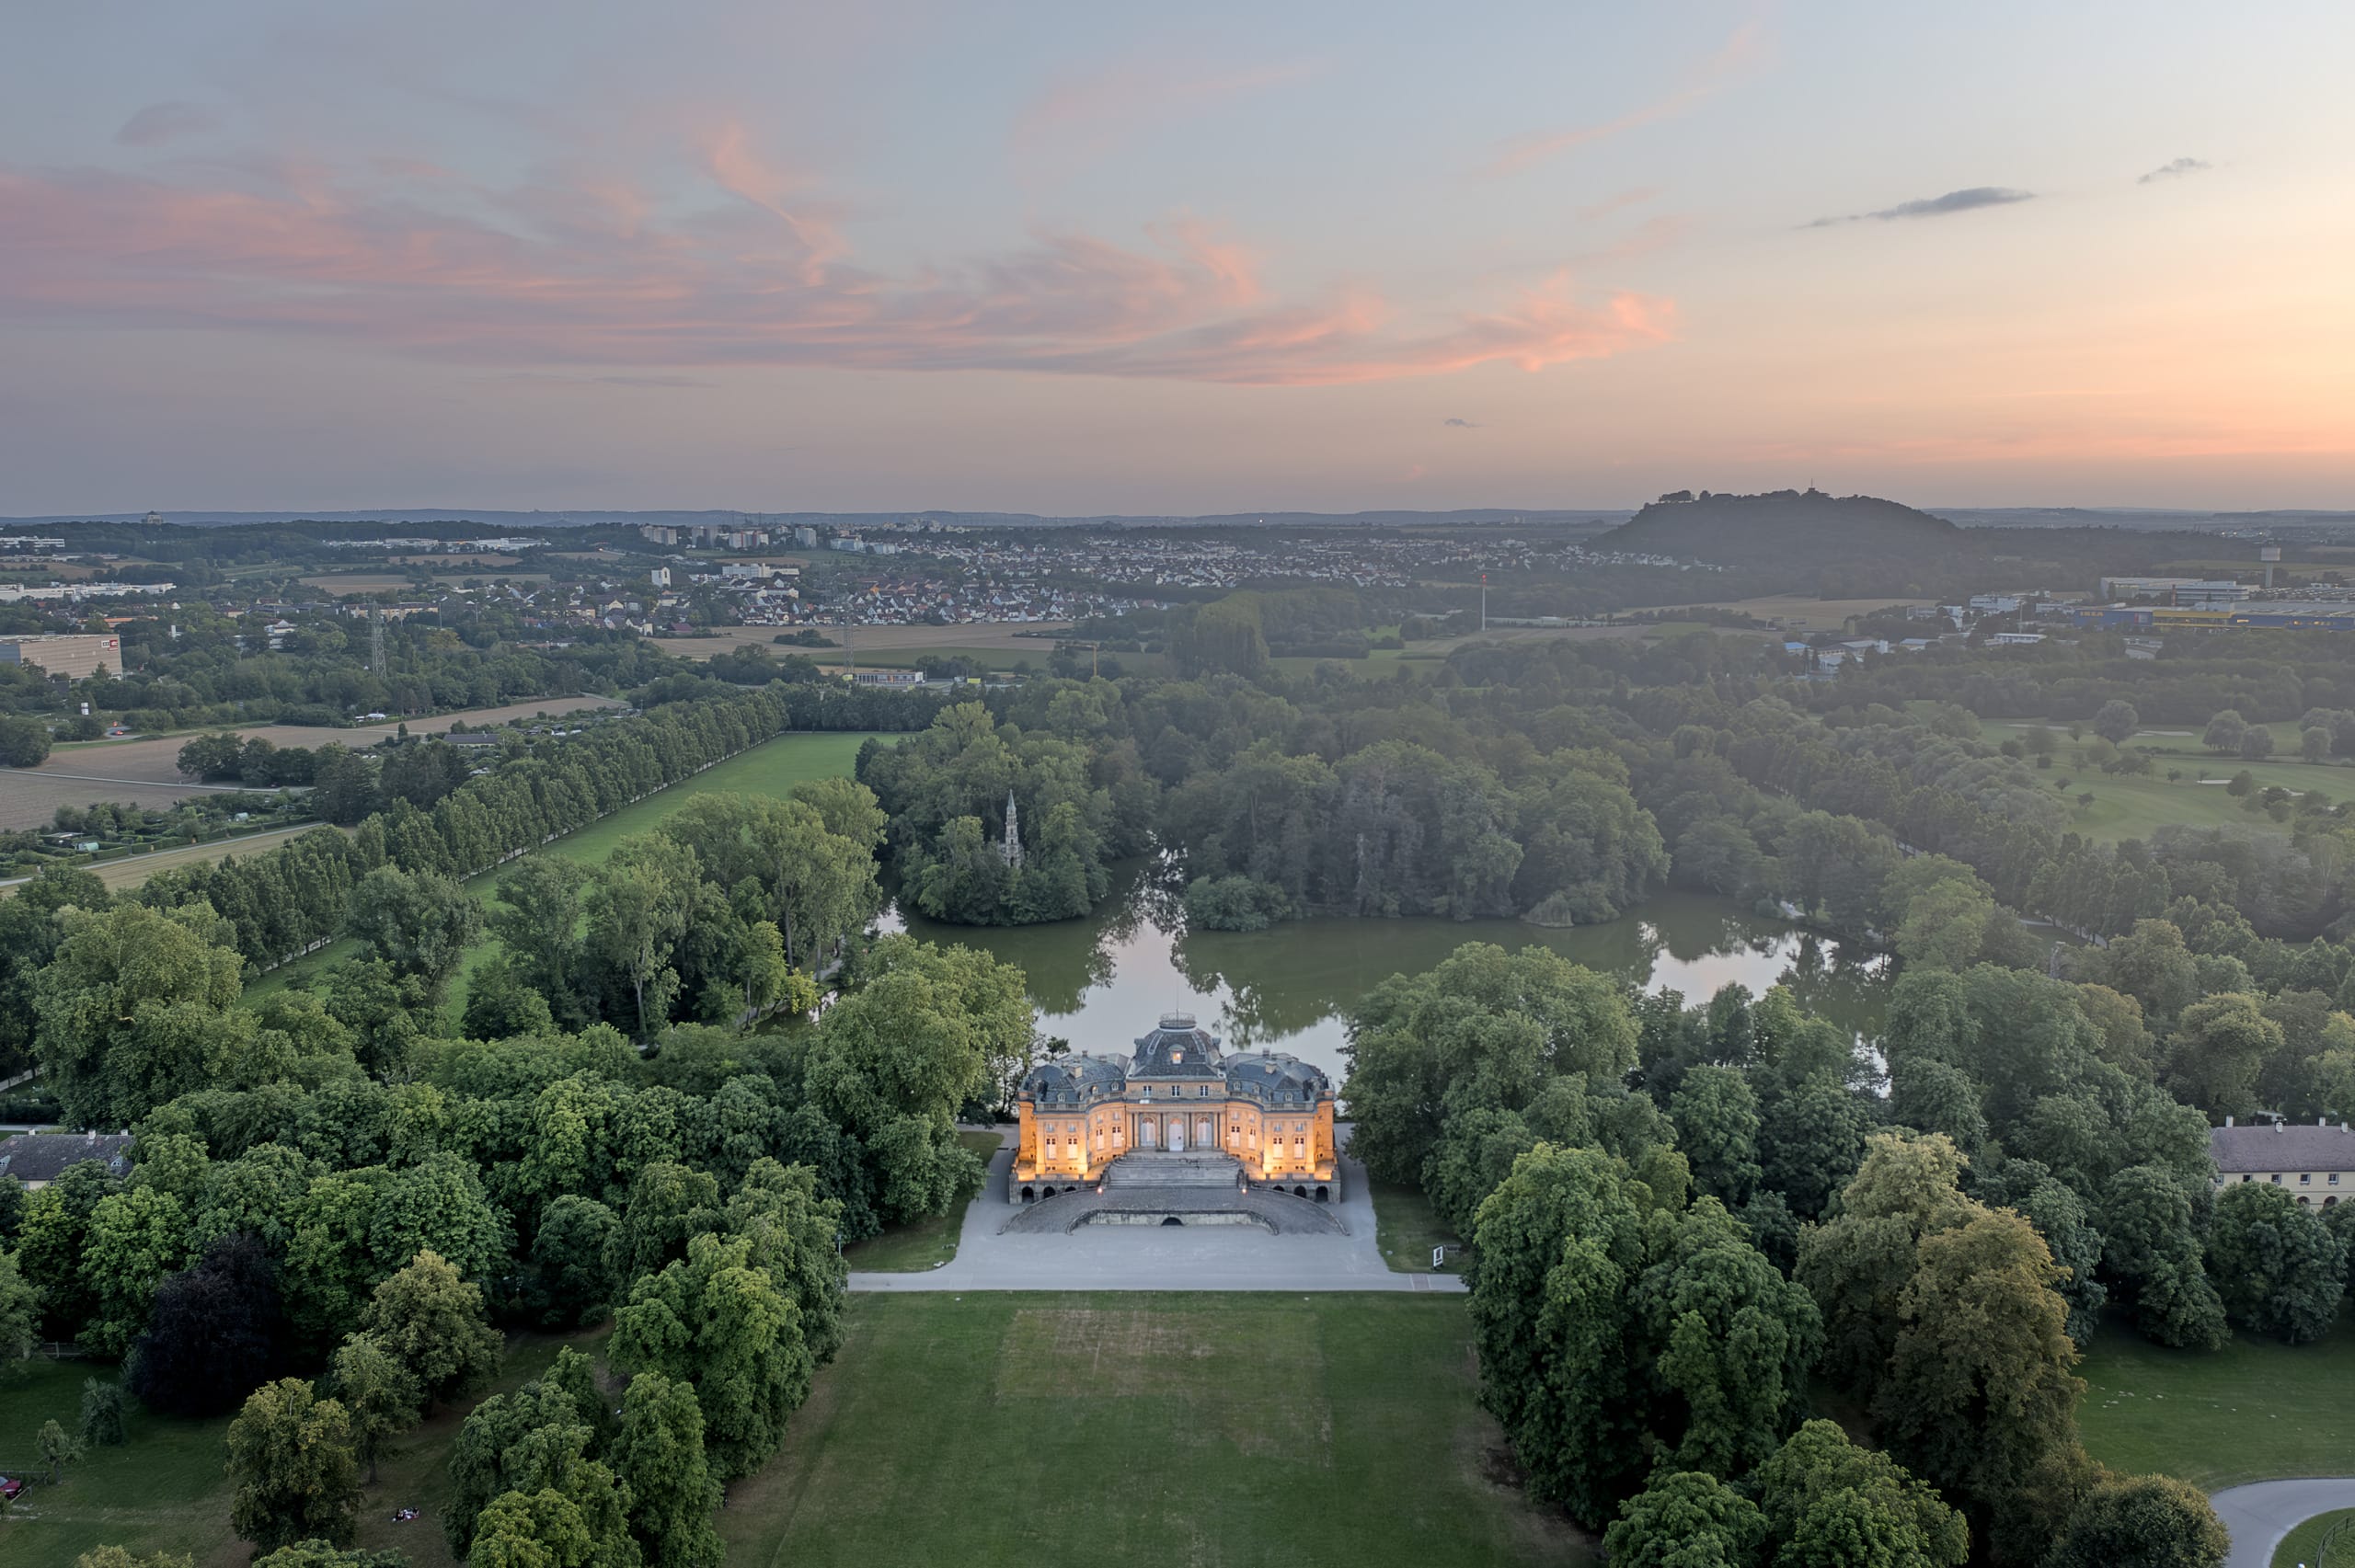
point(879, 644)
point(2134, 806)
point(2256, 1410)
point(144, 769)
point(768, 769)
point(1199, 1429)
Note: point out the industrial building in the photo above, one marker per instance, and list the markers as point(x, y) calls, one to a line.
point(65, 658)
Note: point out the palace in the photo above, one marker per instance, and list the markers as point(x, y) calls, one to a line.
point(1178, 1095)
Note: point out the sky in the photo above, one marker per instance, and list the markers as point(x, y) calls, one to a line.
point(1063, 258)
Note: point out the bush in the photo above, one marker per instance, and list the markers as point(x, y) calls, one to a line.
point(24, 742)
point(1233, 903)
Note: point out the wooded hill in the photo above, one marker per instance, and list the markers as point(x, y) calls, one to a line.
point(1782, 527)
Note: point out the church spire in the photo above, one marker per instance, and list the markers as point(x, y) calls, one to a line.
point(1011, 849)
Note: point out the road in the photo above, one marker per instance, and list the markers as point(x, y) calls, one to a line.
point(1124, 1257)
point(2260, 1514)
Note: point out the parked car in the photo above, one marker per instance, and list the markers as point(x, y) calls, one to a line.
point(11, 1488)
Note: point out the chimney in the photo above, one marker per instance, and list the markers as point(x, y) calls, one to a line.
point(2228, 1121)
point(2282, 1124)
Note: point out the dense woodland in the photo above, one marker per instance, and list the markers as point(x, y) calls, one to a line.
point(1686, 1218)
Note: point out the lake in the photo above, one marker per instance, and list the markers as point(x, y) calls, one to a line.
point(1102, 982)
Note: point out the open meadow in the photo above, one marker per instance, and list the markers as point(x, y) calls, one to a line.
point(771, 768)
point(2128, 807)
point(165, 1490)
point(2257, 1410)
point(1198, 1429)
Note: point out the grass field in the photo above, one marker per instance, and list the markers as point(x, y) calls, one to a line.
point(164, 1489)
point(2326, 1540)
point(2127, 807)
point(1407, 1227)
point(927, 1243)
point(2254, 1411)
point(1191, 1429)
point(771, 768)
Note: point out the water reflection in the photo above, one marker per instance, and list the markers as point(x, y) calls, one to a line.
point(1100, 982)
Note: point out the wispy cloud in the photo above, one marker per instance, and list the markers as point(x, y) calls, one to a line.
point(589, 270)
point(1084, 117)
point(2175, 170)
point(1968, 201)
point(1724, 65)
point(159, 122)
point(1460, 424)
point(1618, 201)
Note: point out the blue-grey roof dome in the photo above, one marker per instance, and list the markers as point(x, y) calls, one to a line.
point(1274, 1076)
point(1177, 1048)
point(1074, 1077)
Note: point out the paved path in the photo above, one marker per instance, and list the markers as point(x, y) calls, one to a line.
point(1126, 1257)
point(2260, 1514)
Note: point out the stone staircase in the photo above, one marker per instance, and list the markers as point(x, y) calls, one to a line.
point(1166, 1173)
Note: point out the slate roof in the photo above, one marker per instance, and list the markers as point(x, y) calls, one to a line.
point(1272, 1074)
point(43, 1157)
point(1070, 1078)
point(2281, 1148)
point(1178, 1047)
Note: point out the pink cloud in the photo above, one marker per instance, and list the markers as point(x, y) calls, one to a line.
point(1730, 59)
point(585, 270)
point(1083, 117)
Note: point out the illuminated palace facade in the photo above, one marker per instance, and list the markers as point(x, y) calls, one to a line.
point(1177, 1094)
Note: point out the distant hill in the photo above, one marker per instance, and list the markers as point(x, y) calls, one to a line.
point(1782, 527)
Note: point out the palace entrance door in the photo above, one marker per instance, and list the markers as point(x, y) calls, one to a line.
point(1145, 1138)
point(1176, 1135)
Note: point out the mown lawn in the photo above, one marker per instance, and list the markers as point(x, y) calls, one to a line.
point(2133, 807)
point(927, 1243)
point(2326, 1540)
point(1112, 1428)
point(1407, 1227)
point(771, 768)
point(165, 1490)
point(2256, 1410)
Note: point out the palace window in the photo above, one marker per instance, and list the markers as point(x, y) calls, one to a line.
point(2305, 1178)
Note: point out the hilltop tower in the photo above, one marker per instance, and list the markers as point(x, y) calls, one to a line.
point(1010, 848)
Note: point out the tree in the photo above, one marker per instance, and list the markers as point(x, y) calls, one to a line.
point(136, 1009)
point(136, 1237)
point(658, 1454)
point(491, 1456)
point(57, 1447)
point(292, 1463)
point(421, 924)
point(19, 1311)
point(382, 1396)
point(572, 1252)
point(321, 1554)
point(637, 910)
point(2151, 1249)
point(538, 1529)
point(1686, 1519)
point(717, 1323)
point(2152, 1521)
point(1826, 1503)
point(2117, 721)
point(1717, 1127)
point(216, 1333)
point(2257, 743)
point(929, 1030)
point(24, 742)
point(2279, 1269)
point(2220, 1047)
point(1979, 1389)
point(101, 1414)
point(2225, 732)
point(432, 1321)
point(118, 1557)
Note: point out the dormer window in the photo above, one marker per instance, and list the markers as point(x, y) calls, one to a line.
point(1176, 1059)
